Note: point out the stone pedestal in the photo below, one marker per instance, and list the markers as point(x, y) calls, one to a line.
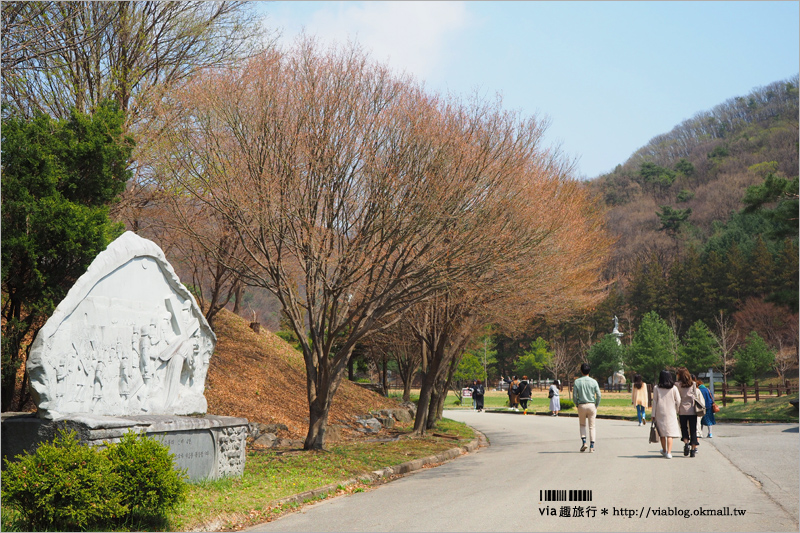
point(209, 447)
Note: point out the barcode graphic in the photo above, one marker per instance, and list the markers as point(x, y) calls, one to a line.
point(565, 495)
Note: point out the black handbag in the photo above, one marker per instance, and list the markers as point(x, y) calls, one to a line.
point(550, 394)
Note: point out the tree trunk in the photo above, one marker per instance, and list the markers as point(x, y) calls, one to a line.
point(238, 293)
point(317, 424)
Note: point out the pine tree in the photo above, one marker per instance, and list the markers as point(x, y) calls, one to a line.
point(761, 269)
point(651, 349)
point(699, 350)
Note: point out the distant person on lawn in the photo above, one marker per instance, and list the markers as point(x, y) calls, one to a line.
point(555, 397)
point(478, 391)
point(524, 394)
point(586, 394)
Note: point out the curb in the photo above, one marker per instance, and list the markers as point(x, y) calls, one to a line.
point(402, 468)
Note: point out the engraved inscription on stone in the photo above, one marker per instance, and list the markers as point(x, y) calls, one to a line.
point(194, 451)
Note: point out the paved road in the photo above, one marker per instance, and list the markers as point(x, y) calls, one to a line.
point(751, 469)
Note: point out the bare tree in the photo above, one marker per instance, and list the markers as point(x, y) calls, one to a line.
point(561, 359)
point(63, 55)
point(727, 338)
point(354, 194)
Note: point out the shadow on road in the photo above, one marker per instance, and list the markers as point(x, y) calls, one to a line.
point(792, 430)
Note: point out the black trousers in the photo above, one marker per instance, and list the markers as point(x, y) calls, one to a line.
point(478, 402)
point(689, 428)
point(523, 402)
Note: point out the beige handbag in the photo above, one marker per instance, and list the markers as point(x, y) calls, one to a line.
point(699, 405)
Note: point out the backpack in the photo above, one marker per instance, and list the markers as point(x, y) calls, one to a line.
point(515, 388)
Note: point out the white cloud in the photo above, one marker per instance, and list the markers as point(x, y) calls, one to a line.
point(411, 36)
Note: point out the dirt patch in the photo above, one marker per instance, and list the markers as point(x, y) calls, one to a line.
point(260, 377)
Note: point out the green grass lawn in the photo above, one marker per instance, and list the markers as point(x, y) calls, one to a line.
point(271, 475)
point(772, 409)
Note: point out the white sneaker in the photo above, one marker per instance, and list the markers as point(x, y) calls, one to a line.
point(664, 453)
point(668, 456)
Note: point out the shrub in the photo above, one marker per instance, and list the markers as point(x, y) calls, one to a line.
point(566, 404)
point(62, 486)
point(145, 477)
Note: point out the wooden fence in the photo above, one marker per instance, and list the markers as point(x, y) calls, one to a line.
point(756, 392)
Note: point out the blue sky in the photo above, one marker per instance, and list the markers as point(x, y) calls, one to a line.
point(609, 75)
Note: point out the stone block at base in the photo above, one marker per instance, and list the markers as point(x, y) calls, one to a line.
point(208, 447)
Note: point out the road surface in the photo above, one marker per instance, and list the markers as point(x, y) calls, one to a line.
point(744, 479)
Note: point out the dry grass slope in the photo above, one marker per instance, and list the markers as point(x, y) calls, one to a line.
point(260, 377)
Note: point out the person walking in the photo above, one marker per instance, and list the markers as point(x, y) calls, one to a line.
point(586, 395)
point(639, 398)
point(478, 392)
point(555, 399)
point(708, 419)
point(524, 394)
point(687, 413)
point(666, 403)
point(513, 394)
point(472, 391)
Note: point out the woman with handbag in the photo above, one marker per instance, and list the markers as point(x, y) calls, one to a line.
point(666, 402)
point(708, 419)
point(687, 413)
point(555, 400)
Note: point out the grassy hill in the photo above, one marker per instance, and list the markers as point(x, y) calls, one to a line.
point(262, 378)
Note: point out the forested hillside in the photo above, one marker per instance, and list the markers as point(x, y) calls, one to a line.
point(706, 225)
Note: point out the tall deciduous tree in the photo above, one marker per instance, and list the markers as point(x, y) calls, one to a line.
point(59, 178)
point(63, 55)
point(354, 194)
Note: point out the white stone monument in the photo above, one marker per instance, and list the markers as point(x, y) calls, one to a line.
point(128, 339)
point(128, 349)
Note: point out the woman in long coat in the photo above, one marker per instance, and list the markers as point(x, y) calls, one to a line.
point(555, 399)
point(666, 402)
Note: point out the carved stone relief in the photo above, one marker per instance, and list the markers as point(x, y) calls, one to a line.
point(128, 339)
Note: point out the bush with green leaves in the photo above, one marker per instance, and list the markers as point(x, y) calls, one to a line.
point(65, 485)
point(62, 486)
point(566, 404)
point(148, 483)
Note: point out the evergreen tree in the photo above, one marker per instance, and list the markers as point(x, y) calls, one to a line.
point(736, 274)
point(786, 276)
point(651, 348)
point(534, 359)
point(753, 359)
point(59, 177)
point(715, 272)
point(606, 357)
point(761, 269)
point(699, 350)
